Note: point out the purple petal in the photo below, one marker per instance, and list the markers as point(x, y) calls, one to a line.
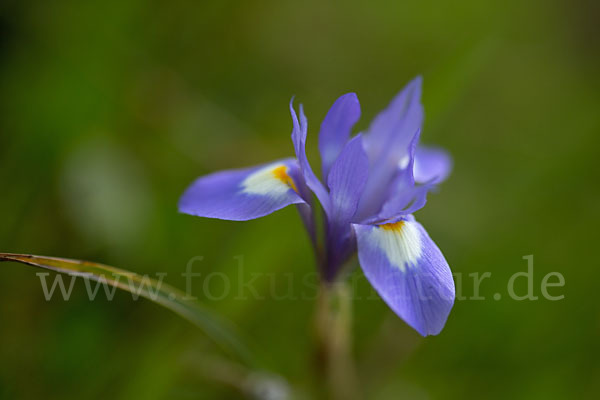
point(395, 126)
point(347, 179)
point(299, 132)
point(403, 196)
point(335, 129)
point(408, 271)
point(346, 182)
point(387, 143)
point(244, 194)
point(431, 165)
point(426, 167)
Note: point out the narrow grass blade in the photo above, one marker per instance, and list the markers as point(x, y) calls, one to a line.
point(214, 327)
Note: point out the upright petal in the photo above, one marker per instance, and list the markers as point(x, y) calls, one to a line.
point(346, 182)
point(393, 128)
point(408, 271)
point(335, 129)
point(299, 132)
point(418, 174)
point(431, 165)
point(403, 196)
point(347, 179)
point(387, 143)
point(244, 194)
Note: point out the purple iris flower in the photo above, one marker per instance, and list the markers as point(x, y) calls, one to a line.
point(372, 183)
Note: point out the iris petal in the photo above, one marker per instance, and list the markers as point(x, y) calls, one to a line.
point(346, 182)
point(431, 165)
point(347, 179)
point(404, 196)
point(426, 168)
point(387, 144)
point(335, 129)
point(299, 132)
point(244, 194)
point(408, 271)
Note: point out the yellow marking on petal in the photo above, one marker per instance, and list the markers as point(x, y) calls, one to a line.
point(281, 174)
point(271, 180)
point(394, 226)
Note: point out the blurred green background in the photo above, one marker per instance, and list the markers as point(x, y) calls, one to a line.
point(109, 109)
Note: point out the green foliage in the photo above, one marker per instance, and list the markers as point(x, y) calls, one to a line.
point(143, 286)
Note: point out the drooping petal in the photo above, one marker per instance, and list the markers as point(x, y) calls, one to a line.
point(335, 129)
point(346, 182)
point(408, 271)
point(387, 143)
point(244, 194)
point(299, 133)
point(432, 165)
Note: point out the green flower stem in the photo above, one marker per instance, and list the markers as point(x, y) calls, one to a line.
point(336, 371)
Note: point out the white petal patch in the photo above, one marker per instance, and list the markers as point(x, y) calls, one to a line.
point(400, 241)
point(271, 180)
point(403, 163)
